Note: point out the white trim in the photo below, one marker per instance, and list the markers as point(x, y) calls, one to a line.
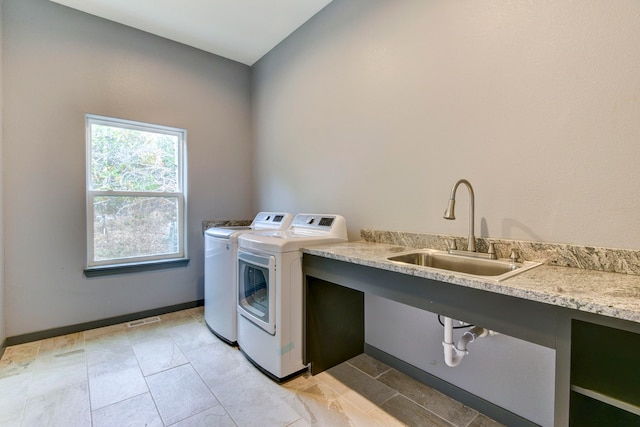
point(180, 195)
point(132, 124)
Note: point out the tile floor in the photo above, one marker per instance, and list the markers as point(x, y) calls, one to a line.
point(174, 372)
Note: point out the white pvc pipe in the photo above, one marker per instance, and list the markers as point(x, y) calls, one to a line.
point(453, 354)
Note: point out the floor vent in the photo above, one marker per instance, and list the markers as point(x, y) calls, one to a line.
point(143, 322)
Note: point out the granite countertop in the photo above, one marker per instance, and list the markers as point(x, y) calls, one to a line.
point(225, 223)
point(615, 295)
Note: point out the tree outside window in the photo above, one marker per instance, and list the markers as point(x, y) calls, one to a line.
point(135, 192)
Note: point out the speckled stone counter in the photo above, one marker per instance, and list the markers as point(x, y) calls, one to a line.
point(563, 255)
point(544, 305)
point(225, 223)
point(610, 294)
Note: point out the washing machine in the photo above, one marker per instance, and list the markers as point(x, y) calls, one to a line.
point(220, 271)
point(270, 291)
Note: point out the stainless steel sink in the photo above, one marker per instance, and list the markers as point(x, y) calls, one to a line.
point(498, 269)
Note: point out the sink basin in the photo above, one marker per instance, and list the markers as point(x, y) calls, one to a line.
point(498, 269)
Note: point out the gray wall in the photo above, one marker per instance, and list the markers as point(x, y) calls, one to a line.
point(60, 64)
point(374, 109)
point(2, 307)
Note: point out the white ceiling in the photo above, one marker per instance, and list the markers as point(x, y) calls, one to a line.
point(242, 30)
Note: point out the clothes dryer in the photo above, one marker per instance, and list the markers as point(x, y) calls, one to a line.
point(220, 271)
point(270, 294)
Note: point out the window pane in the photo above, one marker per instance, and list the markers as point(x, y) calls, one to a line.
point(133, 160)
point(130, 226)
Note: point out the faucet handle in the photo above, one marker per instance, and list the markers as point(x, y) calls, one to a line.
point(451, 244)
point(492, 251)
point(514, 255)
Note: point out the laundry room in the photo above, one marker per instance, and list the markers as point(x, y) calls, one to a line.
point(369, 111)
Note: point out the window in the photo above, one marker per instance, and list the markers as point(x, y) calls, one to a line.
point(135, 192)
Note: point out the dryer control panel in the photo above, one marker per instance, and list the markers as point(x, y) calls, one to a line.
point(319, 223)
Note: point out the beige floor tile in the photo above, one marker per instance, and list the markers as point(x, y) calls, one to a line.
point(196, 312)
point(255, 400)
point(301, 382)
point(436, 402)
point(409, 413)
point(199, 316)
point(190, 335)
point(136, 411)
point(385, 419)
point(52, 373)
point(158, 355)
point(180, 393)
point(21, 352)
point(484, 421)
point(356, 386)
point(62, 344)
point(176, 318)
point(114, 381)
point(369, 365)
point(18, 359)
point(193, 379)
point(322, 406)
point(147, 332)
point(12, 404)
point(218, 363)
point(106, 331)
point(212, 417)
point(67, 407)
point(107, 348)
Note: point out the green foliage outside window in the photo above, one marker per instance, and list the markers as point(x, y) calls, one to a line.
point(135, 184)
point(133, 160)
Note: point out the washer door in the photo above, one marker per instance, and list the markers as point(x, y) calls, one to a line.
point(257, 289)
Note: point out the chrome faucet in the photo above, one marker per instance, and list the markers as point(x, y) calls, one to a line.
point(449, 213)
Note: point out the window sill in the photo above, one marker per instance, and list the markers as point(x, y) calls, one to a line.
point(106, 270)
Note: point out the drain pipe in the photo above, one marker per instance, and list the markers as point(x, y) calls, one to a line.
point(453, 354)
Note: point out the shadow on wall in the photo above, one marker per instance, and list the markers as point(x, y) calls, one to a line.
point(509, 224)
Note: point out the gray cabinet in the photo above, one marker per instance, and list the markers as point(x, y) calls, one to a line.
point(605, 376)
point(597, 357)
point(334, 324)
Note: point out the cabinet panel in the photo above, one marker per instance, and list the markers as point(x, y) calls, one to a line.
point(606, 360)
point(587, 412)
point(334, 324)
point(605, 376)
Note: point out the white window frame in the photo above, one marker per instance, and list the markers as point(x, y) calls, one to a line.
point(181, 194)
